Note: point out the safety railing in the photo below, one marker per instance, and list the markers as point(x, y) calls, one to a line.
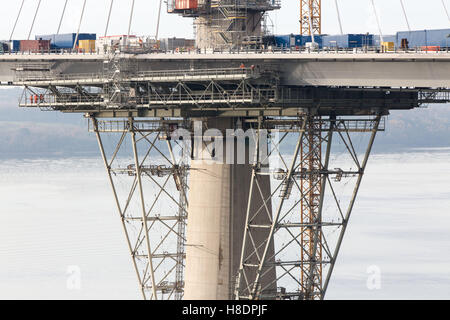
point(248, 4)
point(139, 125)
point(244, 50)
point(72, 100)
point(95, 77)
point(340, 125)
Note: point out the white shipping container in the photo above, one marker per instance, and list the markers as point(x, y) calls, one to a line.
point(112, 43)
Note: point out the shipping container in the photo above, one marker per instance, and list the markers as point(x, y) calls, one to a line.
point(269, 40)
point(66, 41)
point(87, 46)
point(308, 39)
point(4, 47)
point(171, 44)
point(425, 38)
point(186, 4)
point(296, 41)
point(115, 42)
point(431, 48)
point(15, 45)
point(388, 46)
point(35, 46)
point(348, 41)
point(285, 40)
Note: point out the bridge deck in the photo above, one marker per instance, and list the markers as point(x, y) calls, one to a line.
point(412, 70)
point(339, 56)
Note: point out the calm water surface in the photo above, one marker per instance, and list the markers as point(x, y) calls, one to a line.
point(57, 214)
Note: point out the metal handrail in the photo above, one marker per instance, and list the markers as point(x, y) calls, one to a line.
point(73, 99)
point(245, 50)
point(146, 74)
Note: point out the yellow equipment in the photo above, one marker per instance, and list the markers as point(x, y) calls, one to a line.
point(388, 46)
point(87, 46)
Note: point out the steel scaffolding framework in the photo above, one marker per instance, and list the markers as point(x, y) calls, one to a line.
point(145, 182)
point(236, 22)
point(303, 245)
point(302, 231)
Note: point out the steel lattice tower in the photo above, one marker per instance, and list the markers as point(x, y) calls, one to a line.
point(311, 236)
point(310, 14)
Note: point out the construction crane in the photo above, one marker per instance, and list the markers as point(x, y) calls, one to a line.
point(311, 158)
point(310, 17)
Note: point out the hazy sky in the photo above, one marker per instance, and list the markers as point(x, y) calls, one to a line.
point(357, 17)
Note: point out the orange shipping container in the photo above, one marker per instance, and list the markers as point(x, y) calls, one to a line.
point(431, 48)
point(186, 4)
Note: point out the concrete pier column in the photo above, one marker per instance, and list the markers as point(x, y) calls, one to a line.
point(218, 196)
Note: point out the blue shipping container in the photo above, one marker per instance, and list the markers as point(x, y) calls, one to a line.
point(66, 41)
point(421, 38)
point(306, 39)
point(15, 45)
point(285, 40)
point(347, 41)
point(292, 40)
point(297, 41)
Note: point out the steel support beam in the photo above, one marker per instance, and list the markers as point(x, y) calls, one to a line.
point(155, 240)
point(352, 202)
point(302, 229)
